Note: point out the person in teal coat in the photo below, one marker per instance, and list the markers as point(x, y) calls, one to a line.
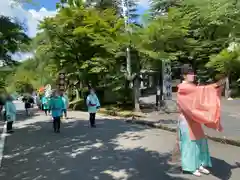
point(45, 104)
point(56, 106)
point(66, 102)
point(11, 111)
point(93, 105)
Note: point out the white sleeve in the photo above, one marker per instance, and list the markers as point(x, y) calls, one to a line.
point(87, 100)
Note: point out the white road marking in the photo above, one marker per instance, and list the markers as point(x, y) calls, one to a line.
point(2, 142)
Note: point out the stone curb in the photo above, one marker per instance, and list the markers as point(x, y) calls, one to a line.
point(223, 140)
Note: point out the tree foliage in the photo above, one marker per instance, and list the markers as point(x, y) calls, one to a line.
point(11, 38)
point(88, 40)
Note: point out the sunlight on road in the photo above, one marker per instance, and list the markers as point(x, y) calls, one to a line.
point(118, 175)
point(83, 149)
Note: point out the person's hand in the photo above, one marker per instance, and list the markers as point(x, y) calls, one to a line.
point(221, 82)
point(220, 128)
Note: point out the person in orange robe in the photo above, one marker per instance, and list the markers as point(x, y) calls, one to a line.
point(198, 106)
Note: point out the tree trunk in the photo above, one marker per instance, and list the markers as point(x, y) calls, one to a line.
point(136, 94)
point(227, 88)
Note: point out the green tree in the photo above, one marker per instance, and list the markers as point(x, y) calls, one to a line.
point(12, 37)
point(76, 42)
point(162, 6)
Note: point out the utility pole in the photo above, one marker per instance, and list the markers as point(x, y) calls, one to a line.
point(159, 89)
point(134, 83)
point(125, 8)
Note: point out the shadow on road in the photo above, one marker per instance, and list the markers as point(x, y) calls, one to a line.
point(222, 169)
point(79, 152)
point(21, 114)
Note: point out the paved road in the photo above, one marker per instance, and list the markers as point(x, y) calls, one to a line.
point(19, 105)
point(114, 150)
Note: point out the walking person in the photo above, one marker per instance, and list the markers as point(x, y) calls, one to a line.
point(66, 103)
point(56, 107)
point(198, 105)
point(93, 105)
point(45, 105)
point(27, 99)
point(10, 110)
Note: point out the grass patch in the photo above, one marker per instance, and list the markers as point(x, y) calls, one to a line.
point(110, 109)
point(115, 111)
point(121, 110)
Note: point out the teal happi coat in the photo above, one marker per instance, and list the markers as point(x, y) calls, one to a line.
point(56, 106)
point(11, 111)
point(45, 102)
point(65, 102)
point(92, 99)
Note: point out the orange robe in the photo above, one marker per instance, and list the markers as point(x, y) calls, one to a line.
point(199, 105)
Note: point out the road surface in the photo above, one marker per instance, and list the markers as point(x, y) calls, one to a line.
point(19, 105)
point(115, 150)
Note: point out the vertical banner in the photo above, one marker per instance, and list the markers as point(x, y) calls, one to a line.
point(167, 79)
point(62, 81)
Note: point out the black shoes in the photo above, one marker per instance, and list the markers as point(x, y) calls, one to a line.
point(56, 131)
point(10, 131)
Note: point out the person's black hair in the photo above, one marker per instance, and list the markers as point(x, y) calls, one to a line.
point(186, 69)
point(9, 98)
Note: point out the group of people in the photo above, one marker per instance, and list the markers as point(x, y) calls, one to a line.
point(198, 106)
point(46, 103)
point(56, 105)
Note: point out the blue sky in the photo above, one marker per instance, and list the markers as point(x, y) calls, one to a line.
point(48, 4)
point(32, 14)
point(51, 5)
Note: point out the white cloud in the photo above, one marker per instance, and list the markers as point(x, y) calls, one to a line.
point(22, 56)
point(30, 17)
point(144, 3)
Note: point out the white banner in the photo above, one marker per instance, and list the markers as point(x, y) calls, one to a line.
point(167, 80)
point(48, 90)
